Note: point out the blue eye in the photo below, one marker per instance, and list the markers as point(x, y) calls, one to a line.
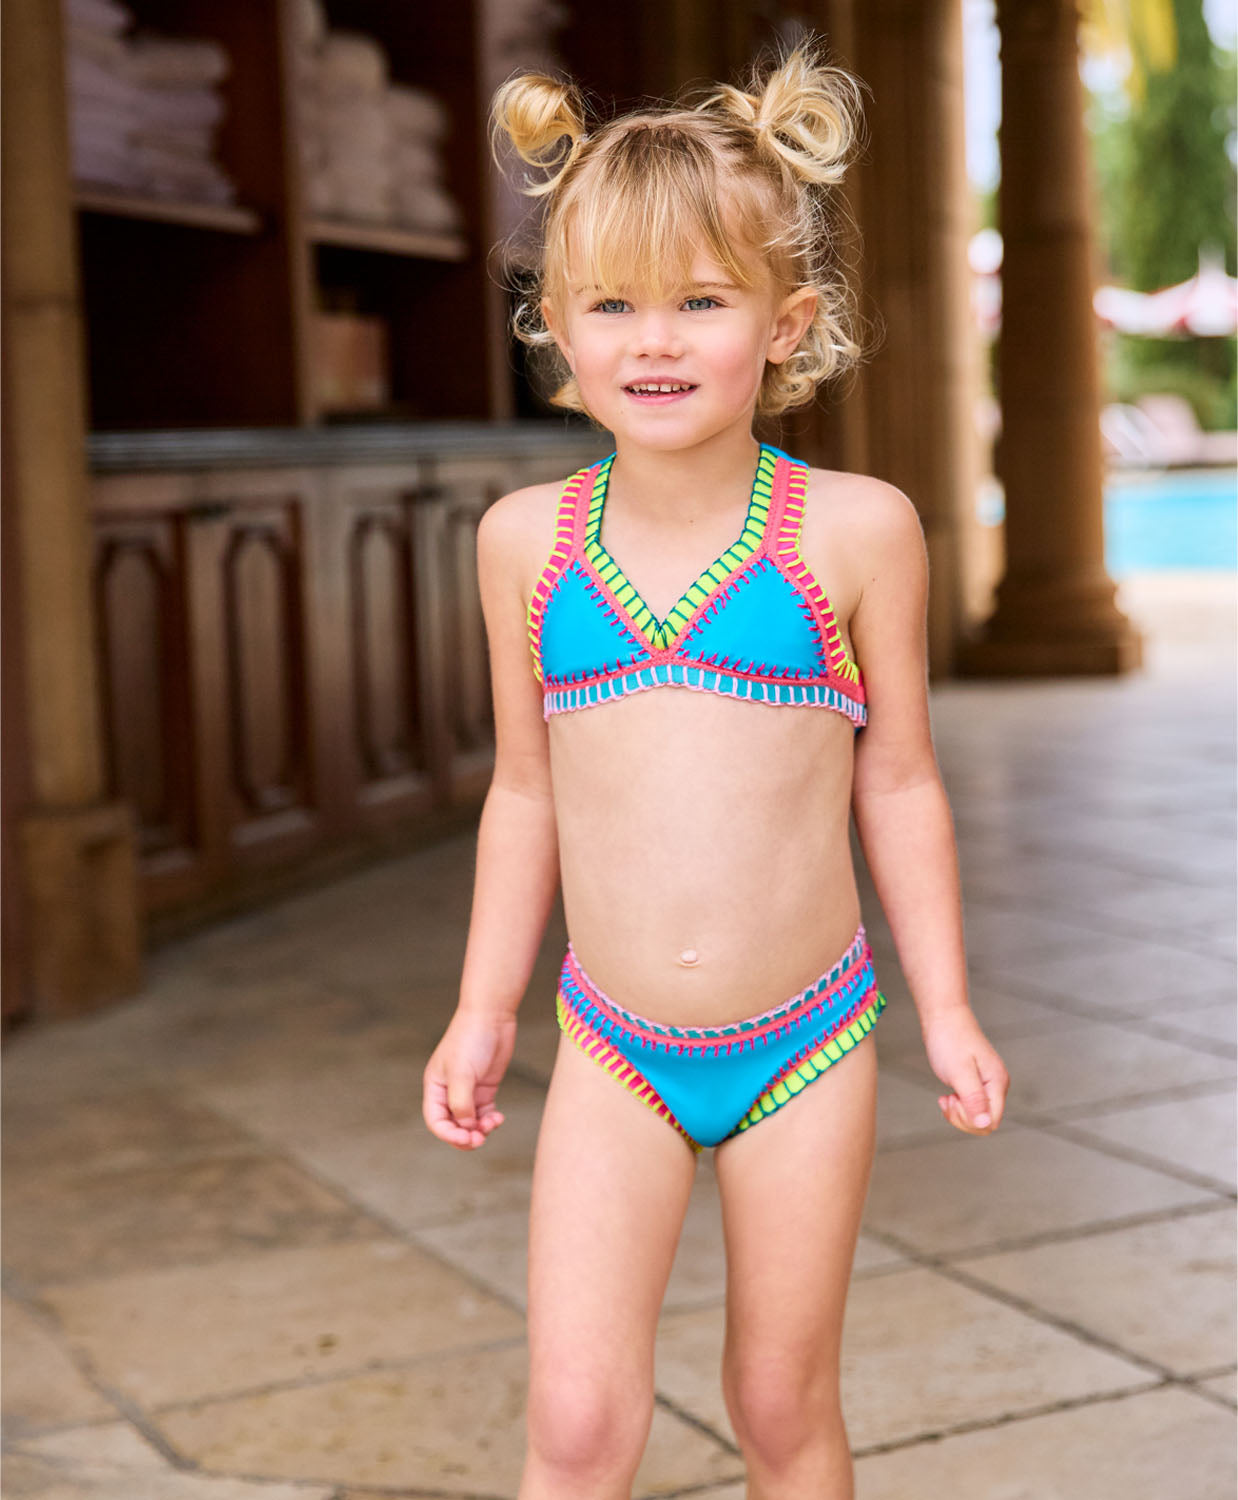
point(609, 301)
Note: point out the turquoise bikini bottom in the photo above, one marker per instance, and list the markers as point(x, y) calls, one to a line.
point(712, 1082)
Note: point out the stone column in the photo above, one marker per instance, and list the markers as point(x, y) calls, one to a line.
point(1055, 611)
point(911, 415)
point(78, 874)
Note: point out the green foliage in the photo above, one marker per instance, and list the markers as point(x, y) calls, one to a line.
point(1164, 187)
point(1203, 371)
point(1168, 183)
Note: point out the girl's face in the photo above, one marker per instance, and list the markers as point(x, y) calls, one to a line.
point(713, 336)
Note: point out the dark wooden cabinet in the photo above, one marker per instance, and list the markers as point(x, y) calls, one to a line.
point(292, 655)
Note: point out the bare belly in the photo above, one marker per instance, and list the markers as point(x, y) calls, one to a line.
point(691, 824)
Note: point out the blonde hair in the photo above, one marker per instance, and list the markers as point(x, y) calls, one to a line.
point(744, 172)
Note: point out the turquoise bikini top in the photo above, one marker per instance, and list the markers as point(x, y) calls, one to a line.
point(755, 624)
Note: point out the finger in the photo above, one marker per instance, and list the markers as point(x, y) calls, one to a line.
point(957, 1116)
point(969, 1089)
point(462, 1099)
point(438, 1116)
point(994, 1093)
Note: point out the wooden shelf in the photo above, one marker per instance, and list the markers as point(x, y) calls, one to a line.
point(192, 329)
point(388, 239)
point(221, 216)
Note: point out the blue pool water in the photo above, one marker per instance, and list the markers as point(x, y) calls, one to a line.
point(1180, 519)
point(1176, 519)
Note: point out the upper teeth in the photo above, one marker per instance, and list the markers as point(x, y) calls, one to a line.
point(646, 387)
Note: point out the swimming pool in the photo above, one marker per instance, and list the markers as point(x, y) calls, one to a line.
point(1168, 519)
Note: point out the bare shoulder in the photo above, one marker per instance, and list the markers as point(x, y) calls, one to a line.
point(518, 528)
point(862, 503)
point(866, 524)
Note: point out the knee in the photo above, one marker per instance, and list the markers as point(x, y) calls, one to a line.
point(781, 1412)
point(584, 1426)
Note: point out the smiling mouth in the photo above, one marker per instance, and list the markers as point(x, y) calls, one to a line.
point(660, 391)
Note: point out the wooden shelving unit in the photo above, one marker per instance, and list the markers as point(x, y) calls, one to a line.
point(204, 315)
point(387, 240)
point(224, 217)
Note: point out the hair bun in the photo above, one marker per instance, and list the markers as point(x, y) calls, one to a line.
point(536, 112)
point(805, 112)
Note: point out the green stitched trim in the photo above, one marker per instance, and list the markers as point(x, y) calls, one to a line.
point(662, 633)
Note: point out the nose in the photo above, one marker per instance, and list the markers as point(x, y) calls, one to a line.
point(654, 332)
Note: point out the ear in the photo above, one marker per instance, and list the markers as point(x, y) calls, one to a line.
point(551, 321)
point(791, 322)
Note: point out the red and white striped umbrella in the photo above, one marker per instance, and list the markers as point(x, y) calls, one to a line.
point(1205, 305)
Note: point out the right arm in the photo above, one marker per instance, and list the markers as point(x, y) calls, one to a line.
point(517, 866)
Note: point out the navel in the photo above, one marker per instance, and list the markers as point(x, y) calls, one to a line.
point(689, 956)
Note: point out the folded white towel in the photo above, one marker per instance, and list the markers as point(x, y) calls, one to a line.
point(310, 21)
point(426, 206)
point(180, 106)
point(168, 62)
point(87, 78)
point(106, 48)
point(99, 15)
point(413, 161)
point(100, 122)
point(99, 144)
point(182, 140)
point(416, 112)
point(352, 64)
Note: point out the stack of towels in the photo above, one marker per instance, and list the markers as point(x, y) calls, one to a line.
point(144, 110)
point(370, 149)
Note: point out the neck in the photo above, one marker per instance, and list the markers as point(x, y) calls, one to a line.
point(683, 484)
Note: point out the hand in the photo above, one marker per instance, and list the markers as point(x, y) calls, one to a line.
point(462, 1077)
point(962, 1057)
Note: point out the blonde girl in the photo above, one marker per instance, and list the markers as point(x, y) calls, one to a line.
point(706, 655)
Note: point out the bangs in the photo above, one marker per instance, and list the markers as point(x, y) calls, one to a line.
point(639, 221)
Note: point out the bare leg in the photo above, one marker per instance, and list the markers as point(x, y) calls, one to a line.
point(611, 1184)
point(793, 1190)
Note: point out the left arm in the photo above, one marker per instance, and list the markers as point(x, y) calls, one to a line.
point(901, 810)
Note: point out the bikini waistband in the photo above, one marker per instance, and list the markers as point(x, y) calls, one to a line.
point(849, 977)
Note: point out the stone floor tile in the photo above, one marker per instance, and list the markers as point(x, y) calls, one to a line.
point(377, 1081)
point(1168, 908)
point(1223, 1386)
point(406, 1176)
point(141, 1218)
point(906, 1109)
point(1165, 1444)
point(183, 1027)
point(453, 1425)
point(1195, 1134)
point(994, 934)
point(113, 1462)
point(1116, 973)
point(871, 1255)
point(1045, 882)
point(1219, 938)
point(1165, 851)
point(974, 1359)
point(40, 1384)
point(493, 1247)
point(191, 1332)
point(979, 1192)
point(112, 1130)
point(1215, 1021)
point(1163, 1290)
point(537, 1046)
point(1082, 1063)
